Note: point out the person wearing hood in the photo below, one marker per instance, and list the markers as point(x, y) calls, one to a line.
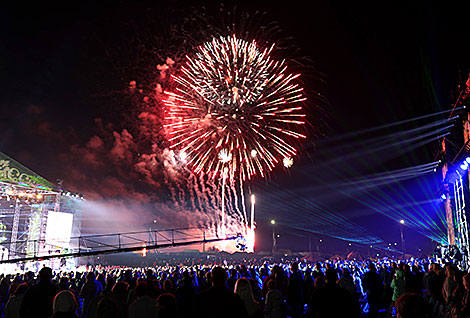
point(398, 283)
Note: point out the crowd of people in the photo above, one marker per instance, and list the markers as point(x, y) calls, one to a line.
point(380, 288)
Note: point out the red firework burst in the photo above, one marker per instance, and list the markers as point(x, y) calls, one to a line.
point(234, 106)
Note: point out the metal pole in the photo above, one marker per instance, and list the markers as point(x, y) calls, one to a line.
point(251, 234)
point(402, 240)
point(252, 224)
point(204, 240)
point(274, 241)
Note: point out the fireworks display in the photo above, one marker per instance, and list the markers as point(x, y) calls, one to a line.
point(234, 106)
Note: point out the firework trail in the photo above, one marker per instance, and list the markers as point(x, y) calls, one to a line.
point(234, 106)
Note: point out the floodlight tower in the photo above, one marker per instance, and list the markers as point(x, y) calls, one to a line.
point(273, 223)
point(402, 222)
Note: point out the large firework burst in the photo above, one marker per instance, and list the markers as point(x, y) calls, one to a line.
point(234, 106)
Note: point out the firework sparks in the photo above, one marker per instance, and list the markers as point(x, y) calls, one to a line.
point(288, 162)
point(225, 156)
point(183, 156)
point(232, 98)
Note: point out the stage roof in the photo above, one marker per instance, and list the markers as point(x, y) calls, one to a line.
point(14, 173)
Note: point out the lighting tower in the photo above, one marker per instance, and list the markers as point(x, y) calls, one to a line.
point(402, 222)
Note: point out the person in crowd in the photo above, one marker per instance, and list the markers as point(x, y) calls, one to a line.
point(450, 286)
point(324, 302)
point(64, 283)
point(373, 287)
point(144, 306)
point(244, 290)
point(185, 294)
point(119, 297)
point(295, 294)
point(433, 283)
point(464, 307)
point(308, 284)
point(110, 282)
point(12, 308)
point(256, 284)
point(166, 307)
point(347, 282)
point(38, 299)
point(412, 283)
point(106, 308)
point(89, 291)
point(65, 305)
point(275, 306)
point(411, 305)
point(201, 290)
point(5, 288)
point(218, 301)
point(232, 279)
point(398, 283)
point(168, 287)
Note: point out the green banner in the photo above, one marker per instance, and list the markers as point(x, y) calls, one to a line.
point(13, 172)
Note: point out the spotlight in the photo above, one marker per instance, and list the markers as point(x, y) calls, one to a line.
point(467, 159)
point(464, 166)
point(39, 196)
point(443, 196)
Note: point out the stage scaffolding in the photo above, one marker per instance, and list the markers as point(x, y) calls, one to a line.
point(26, 202)
point(33, 210)
point(456, 183)
point(461, 224)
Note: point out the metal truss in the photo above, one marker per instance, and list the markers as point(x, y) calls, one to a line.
point(461, 224)
point(90, 245)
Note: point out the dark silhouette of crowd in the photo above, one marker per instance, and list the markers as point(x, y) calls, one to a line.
point(381, 288)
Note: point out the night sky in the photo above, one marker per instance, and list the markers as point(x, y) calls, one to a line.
point(66, 111)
